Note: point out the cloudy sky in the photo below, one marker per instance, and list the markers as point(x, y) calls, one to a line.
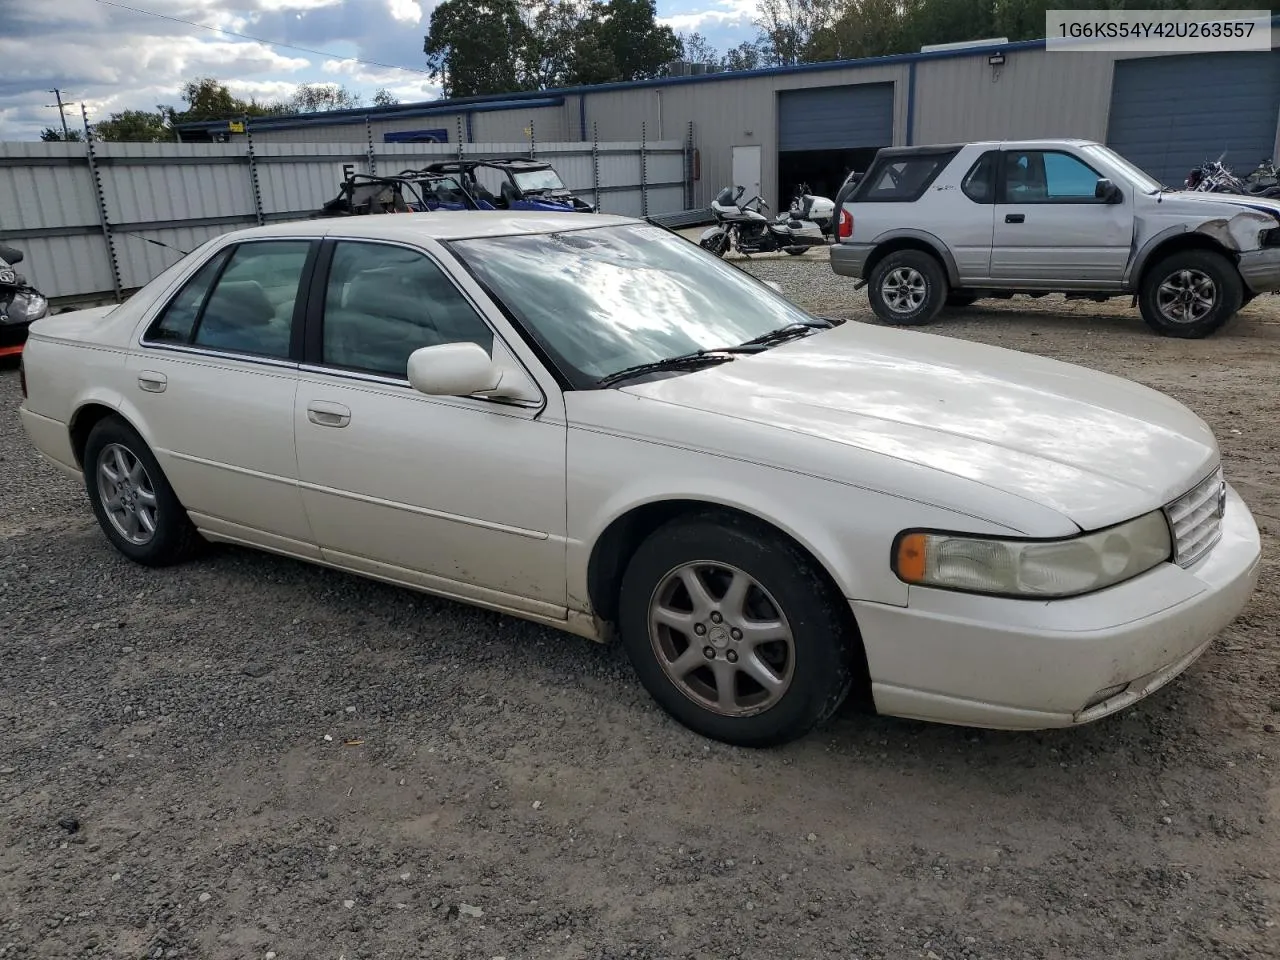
point(111, 58)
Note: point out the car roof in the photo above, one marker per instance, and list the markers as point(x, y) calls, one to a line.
point(439, 225)
point(929, 148)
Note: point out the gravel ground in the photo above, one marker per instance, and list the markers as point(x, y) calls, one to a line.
point(248, 757)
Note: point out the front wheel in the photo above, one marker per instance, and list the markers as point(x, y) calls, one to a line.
point(718, 244)
point(1190, 294)
point(907, 287)
point(132, 499)
point(734, 631)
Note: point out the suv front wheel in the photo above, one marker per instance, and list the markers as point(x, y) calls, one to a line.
point(1190, 294)
point(908, 287)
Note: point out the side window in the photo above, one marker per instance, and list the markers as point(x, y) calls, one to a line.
point(979, 183)
point(177, 321)
point(251, 307)
point(1047, 177)
point(903, 179)
point(383, 302)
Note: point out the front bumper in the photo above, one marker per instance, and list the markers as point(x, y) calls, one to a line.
point(1260, 269)
point(848, 259)
point(1024, 664)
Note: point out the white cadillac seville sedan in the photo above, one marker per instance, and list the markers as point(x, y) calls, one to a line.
point(589, 422)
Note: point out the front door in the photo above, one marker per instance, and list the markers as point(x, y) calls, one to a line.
point(460, 495)
point(1049, 226)
point(213, 388)
point(746, 171)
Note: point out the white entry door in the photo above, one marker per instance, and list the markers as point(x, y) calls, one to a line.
point(746, 170)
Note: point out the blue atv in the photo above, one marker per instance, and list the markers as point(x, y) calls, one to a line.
point(410, 191)
point(522, 184)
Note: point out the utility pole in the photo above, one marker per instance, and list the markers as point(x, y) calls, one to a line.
point(62, 111)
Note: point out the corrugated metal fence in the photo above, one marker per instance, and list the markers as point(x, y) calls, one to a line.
point(92, 219)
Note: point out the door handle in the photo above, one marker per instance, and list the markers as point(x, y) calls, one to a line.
point(325, 414)
point(152, 382)
point(1015, 217)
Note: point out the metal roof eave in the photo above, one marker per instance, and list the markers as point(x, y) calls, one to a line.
point(533, 98)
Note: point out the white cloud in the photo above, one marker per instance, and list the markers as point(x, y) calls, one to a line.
point(405, 11)
point(722, 13)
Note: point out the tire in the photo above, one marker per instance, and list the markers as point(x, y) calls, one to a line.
point(921, 286)
point(814, 664)
point(114, 444)
point(797, 251)
point(717, 245)
point(961, 299)
point(1188, 273)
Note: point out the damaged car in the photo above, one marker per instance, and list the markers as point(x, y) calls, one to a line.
point(928, 227)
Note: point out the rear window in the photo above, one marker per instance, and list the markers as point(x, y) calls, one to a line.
point(900, 178)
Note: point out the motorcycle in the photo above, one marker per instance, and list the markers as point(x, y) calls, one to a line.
point(20, 303)
point(805, 205)
point(1213, 176)
point(748, 228)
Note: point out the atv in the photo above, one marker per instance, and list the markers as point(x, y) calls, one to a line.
point(522, 184)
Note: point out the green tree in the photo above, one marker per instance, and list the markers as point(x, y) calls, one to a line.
point(641, 47)
point(315, 97)
point(385, 98)
point(472, 46)
point(144, 126)
point(52, 135)
point(748, 55)
point(695, 48)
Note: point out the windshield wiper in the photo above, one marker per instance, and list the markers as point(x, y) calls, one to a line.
point(684, 361)
point(800, 328)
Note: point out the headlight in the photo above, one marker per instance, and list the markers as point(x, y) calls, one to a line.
point(1033, 568)
point(25, 307)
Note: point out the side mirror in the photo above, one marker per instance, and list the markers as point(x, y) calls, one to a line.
point(1107, 192)
point(453, 370)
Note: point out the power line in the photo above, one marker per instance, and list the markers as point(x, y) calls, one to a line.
point(270, 43)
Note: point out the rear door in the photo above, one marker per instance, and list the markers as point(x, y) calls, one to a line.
point(212, 388)
point(1051, 229)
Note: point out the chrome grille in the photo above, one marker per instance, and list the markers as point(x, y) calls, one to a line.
point(1196, 519)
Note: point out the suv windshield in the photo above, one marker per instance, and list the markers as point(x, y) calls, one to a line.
point(604, 299)
point(1141, 180)
point(531, 181)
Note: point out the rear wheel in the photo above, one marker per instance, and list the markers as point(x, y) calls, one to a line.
point(797, 251)
point(907, 287)
point(734, 631)
point(132, 499)
point(1190, 294)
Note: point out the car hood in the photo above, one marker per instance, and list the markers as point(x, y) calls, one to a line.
point(1196, 201)
point(1093, 447)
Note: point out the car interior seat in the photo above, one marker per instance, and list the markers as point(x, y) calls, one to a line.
point(240, 316)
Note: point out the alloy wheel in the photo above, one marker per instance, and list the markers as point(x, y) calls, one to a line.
point(904, 289)
point(127, 494)
point(721, 638)
point(1186, 296)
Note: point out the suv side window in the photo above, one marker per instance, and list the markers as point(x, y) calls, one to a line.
point(979, 184)
point(1047, 176)
point(901, 179)
point(383, 302)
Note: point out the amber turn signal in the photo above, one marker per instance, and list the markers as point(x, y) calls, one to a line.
point(912, 553)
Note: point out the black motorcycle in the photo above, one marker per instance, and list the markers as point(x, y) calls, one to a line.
point(20, 303)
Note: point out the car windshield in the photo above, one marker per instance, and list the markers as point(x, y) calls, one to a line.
point(535, 180)
point(1141, 179)
point(604, 299)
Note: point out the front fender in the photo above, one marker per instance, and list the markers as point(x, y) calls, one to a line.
point(711, 233)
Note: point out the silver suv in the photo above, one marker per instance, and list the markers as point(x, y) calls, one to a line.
point(948, 225)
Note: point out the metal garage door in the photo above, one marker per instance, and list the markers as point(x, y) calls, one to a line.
point(835, 118)
point(1170, 113)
